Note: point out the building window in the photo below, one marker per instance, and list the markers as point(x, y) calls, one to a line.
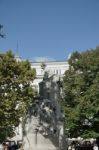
point(60, 71)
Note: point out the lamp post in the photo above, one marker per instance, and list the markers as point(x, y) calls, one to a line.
point(36, 131)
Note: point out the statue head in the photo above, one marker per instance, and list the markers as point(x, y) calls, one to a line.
point(43, 65)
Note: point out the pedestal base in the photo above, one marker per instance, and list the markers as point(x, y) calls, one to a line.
point(39, 142)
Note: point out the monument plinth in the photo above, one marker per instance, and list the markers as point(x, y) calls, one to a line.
point(44, 123)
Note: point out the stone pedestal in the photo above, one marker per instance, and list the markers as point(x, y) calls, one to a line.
point(39, 142)
point(44, 123)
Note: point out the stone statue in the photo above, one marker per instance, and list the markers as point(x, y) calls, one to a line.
point(44, 126)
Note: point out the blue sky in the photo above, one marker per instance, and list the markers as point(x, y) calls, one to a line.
point(49, 28)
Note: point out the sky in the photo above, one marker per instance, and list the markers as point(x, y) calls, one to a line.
point(51, 29)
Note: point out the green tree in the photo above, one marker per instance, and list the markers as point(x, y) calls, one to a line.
point(81, 94)
point(1, 34)
point(16, 92)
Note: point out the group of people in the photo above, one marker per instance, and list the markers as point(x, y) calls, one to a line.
point(83, 145)
point(7, 146)
point(11, 146)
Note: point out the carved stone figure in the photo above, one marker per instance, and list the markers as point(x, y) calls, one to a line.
point(44, 126)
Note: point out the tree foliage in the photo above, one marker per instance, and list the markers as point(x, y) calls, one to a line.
point(81, 94)
point(15, 91)
point(1, 34)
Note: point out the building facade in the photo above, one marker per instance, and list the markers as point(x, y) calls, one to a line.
point(52, 67)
